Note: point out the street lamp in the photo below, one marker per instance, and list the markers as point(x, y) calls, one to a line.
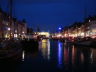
point(59, 28)
point(9, 33)
point(9, 29)
point(89, 20)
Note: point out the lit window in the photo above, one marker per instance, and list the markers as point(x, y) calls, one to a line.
point(23, 32)
point(15, 35)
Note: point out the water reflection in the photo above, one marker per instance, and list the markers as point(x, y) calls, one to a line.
point(93, 55)
point(60, 54)
point(67, 56)
point(23, 55)
point(55, 55)
point(45, 48)
point(48, 49)
point(73, 54)
point(82, 57)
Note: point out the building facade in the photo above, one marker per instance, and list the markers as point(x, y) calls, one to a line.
point(10, 27)
point(81, 30)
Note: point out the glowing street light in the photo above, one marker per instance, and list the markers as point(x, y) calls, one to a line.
point(9, 29)
point(59, 28)
point(89, 20)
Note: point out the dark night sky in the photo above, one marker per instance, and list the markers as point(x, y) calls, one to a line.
point(50, 14)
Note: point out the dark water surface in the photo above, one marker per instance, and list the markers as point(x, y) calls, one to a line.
point(54, 56)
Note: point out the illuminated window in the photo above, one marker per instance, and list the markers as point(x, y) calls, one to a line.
point(15, 35)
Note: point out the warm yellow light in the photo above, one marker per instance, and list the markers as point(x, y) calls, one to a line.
point(82, 34)
point(7, 36)
point(65, 35)
point(47, 34)
point(43, 41)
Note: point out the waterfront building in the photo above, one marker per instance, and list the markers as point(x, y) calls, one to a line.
point(91, 26)
point(81, 30)
point(10, 27)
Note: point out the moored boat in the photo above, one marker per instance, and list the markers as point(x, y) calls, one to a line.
point(10, 50)
point(30, 45)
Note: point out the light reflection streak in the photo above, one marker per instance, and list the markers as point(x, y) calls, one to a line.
point(66, 55)
point(73, 54)
point(45, 48)
point(91, 56)
point(48, 49)
point(60, 62)
point(23, 55)
point(82, 57)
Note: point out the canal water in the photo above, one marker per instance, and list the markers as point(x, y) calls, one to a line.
point(54, 56)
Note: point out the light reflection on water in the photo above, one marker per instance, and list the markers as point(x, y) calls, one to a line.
point(65, 54)
point(56, 55)
point(23, 55)
point(73, 54)
point(45, 48)
point(68, 54)
point(60, 53)
point(48, 49)
point(93, 55)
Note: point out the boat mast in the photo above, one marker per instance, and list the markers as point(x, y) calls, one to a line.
point(10, 16)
